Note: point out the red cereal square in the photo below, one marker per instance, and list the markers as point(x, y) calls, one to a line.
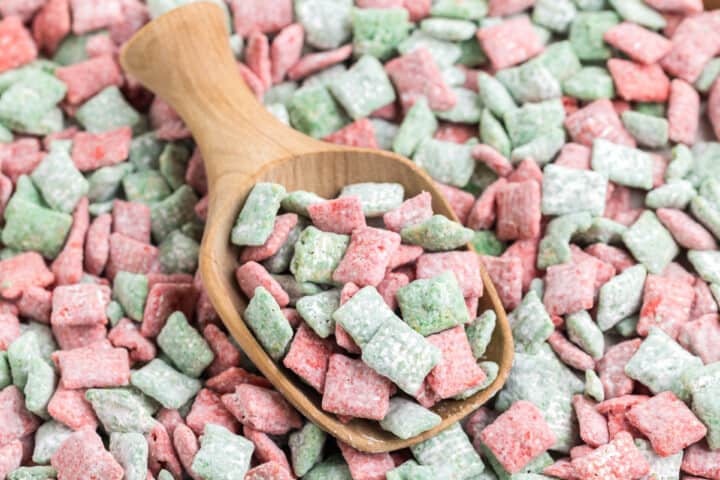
point(283, 225)
point(226, 381)
point(35, 304)
point(20, 8)
point(253, 275)
point(390, 285)
point(574, 155)
point(208, 408)
point(266, 450)
point(593, 426)
point(15, 420)
point(253, 82)
point(226, 354)
point(390, 112)
point(91, 151)
point(161, 454)
point(460, 201)
point(94, 366)
point(569, 353)
point(667, 422)
point(570, 287)
point(129, 255)
point(163, 299)
point(97, 244)
point(71, 337)
point(51, 25)
point(186, 446)
point(166, 121)
point(695, 41)
point(18, 47)
point(426, 396)
point(700, 460)
point(11, 456)
point(458, 369)
point(675, 271)
point(308, 357)
point(257, 57)
point(526, 251)
point(21, 272)
point(99, 45)
point(354, 389)
point(68, 265)
point(262, 409)
point(89, 15)
point(366, 466)
point(638, 43)
point(518, 211)
point(483, 212)
point(85, 79)
point(704, 300)
point(268, 471)
point(502, 8)
point(701, 337)
point(131, 219)
point(340, 215)
point(597, 120)
point(315, 62)
point(527, 170)
point(83, 455)
point(285, 50)
point(618, 460)
point(518, 435)
point(507, 274)
point(603, 271)
point(510, 42)
point(405, 256)
point(416, 75)
point(267, 16)
point(562, 469)
point(493, 159)
point(666, 305)
point(127, 335)
point(6, 189)
point(683, 112)
point(70, 408)
point(615, 256)
point(611, 368)
point(360, 133)
point(465, 266)
point(412, 211)
point(20, 157)
point(367, 256)
point(636, 82)
point(344, 340)
point(418, 9)
point(9, 330)
point(81, 304)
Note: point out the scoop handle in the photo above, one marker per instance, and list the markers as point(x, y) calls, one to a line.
point(184, 57)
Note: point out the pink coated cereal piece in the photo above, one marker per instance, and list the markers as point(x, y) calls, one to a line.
point(666, 305)
point(700, 460)
point(476, 423)
point(569, 288)
point(83, 455)
point(283, 225)
point(80, 304)
point(170, 418)
point(155, 278)
point(416, 74)
point(367, 256)
point(390, 285)
point(208, 408)
point(617, 422)
point(639, 83)
point(465, 265)
point(265, 15)
point(695, 41)
point(35, 304)
point(405, 255)
point(314, 62)
point(659, 167)
point(87, 78)
point(638, 43)
point(455, 132)
point(226, 354)
point(713, 108)
point(603, 271)
point(15, 420)
point(6, 189)
point(172, 127)
point(9, 330)
point(387, 112)
point(580, 451)
point(11, 456)
point(68, 265)
point(527, 170)
point(518, 435)
point(253, 82)
point(20, 157)
point(502, 8)
point(66, 134)
point(71, 337)
point(667, 422)
point(292, 316)
point(252, 275)
point(348, 291)
point(18, 46)
point(518, 211)
point(412, 211)
point(458, 370)
point(95, 366)
point(472, 304)
point(257, 57)
point(611, 368)
point(460, 201)
point(570, 105)
point(131, 219)
point(163, 299)
point(129, 255)
point(686, 231)
point(345, 341)
point(286, 50)
point(268, 471)
point(569, 353)
point(562, 469)
point(195, 175)
point(24, 9)
point(593, 426)
point(675, 271)
point(127, 335)
point(226, 381)
point(340, 215)
point(597, 120)
point(493, 159)
point(354, 389)
point(526, 251)
point(89, 15)
point(266, 450)
point(51, 25)
point(360, 133)
point(186, 445)
point(426, 396)
point(161, 454)
point(511, 42)
point(617, 200)
point(482, 214)
point(683, 112)
point(701, 337)
point(99, 45)
point(618, 460)
point(418, 9)
point(308, 357)
point(704, 300)
point(21, 272)
point(366, 466)
point(97, 244)
point(94, 150)
point(70, 408)
point(506, 273)
point(262, 409)
point(615, 256)
point(677, 6)
point(205, 313)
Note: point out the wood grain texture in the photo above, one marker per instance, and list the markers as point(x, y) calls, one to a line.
point(712, 4)
point(184, 57)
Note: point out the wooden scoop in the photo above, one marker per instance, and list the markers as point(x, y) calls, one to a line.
point(184, 57)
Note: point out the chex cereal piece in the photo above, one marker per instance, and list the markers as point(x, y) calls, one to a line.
point(650, 243)
point(350, 87)
point(611, 368)
point(676, 193)
point(640, 44)
point(593, 426)
point(264, 317)
point(317, 255)
point(308, 357)
point(352, 388)
point(406, 419)
point(457, 371)
point(510, 42)
point(419, 122)
point(127, 254)
point(597, 120)
point(363, 314)
point(437, 234)
point(317, 310)
point(70, 408)
point(256, 220)
point(208, 408)
point(268, 471)
point(413, 211)
point(97, 244)
point(585, 333)
point(82, 304)
point(619, 459)
point(97, 365)
point(17, 421)
point(252, 275)
point(163, 383)
point(367, 256)
point(222, 454)
point(366, 466)
point(450, 447)
point(694, 43)
point(261, 409)
point(683, 112)
point(131, 291)
point(620, 297)
point(699, 337)
point(567, 190)
point(22, 272)
point(226, 354)
point(623, 165)
point(306, 447)
point(84, 80)
point(464, 265)
point(569, 353)
point(125, 334)
point(666, 305)
point(507, 274)
point(132, 219)
point(267, 17)
point(432, 305)
point(530, 323)
point(405, 71)
point(376, 198)
point(569, 288)
point(314, 112)
point(518, 211)
point(341, 215)
point(35, 304)
point(130, 450)
point(700, 460)
point(83, 455)
point(445, 161)
point(20, 46)
point(163, 299)
point(187, 349)
point(636, 82)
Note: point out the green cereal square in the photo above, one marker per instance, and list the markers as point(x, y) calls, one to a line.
point(145, 151)
point(376, 198)
point(173, 162)
point(327, 23)
point(406, 419)
point(43, 338)
point(363, 314)
point(334, 468)
point(27, 102)
point(51, 122)
point(40, 386)
point(61, 184)
point(6, 136)
point(593, 386)
point(172, 212)
point(467, 9)
point(29, 226)
point(433, 305)
point(590, 83)
point(268, 323)
point(650, 243)
point(649, 130)
point(47, 439)
point(364, 88)
point(708, 76)
point(447, 162)
point(703, 383)
point(399, 353)
point(317, 255)
point(637, 11)
point(494, 95)
point(20, 354)
point(493, 133)
point(707, 212)
point(706, 162)
point(71, 50)
point(163, 383)
point(5, 375)
point(450, 29)
point(104, 183)
point(585, 333)
point(554, 247)
point(114, 311)
point(121, 409)
point(623, 165)
point(131, 452)
point(179, 253)
point(479, 332)
point(530, 82)
point(317, 311)
point(706, 263)
point(444, 53)
point(586, 34)
point(437, 234)
point(537, 285)
point(107, 110)
point(556, 15)
point(530, 323)
point(314, 112)
point(378, 31)
point(527, 122)
point(324, 77)
point(654, 109)
point(146, 186)
point(542, 148)
point(257, 218)
point(660, 363)
point(673, 194)
point(131, 290)
point(306, 447)
point(32, 473)
point(185, 347)
point(222, 455)
point(485, 242)
point(620, 297)
point(450, 447)
point(560, 59)
point(569, 190)
point(468, 108)
point(299, 200)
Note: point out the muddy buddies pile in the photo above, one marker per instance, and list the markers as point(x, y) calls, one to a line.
point(576, 141)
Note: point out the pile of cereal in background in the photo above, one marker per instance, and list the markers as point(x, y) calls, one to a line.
point(603, 247)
